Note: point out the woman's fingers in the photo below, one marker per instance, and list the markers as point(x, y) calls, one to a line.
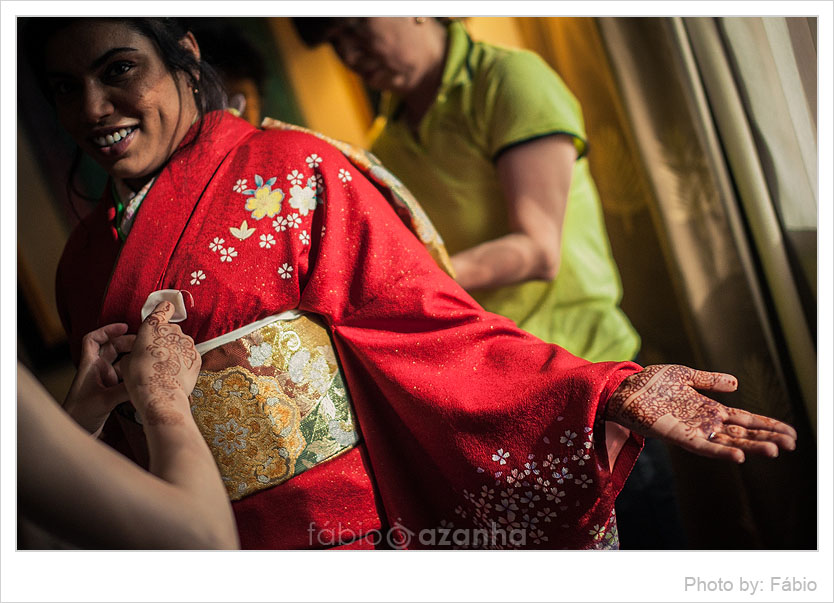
point(731, 442)
point(736, 432)
point(736, 416)
point(714, 450)
point(717, 382)
point(94, 341)
point(116, 346)
point(163, 312)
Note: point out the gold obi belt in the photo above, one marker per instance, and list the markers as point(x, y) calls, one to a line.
point(270, 402)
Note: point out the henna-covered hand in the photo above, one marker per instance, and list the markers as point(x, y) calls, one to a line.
point(661, 401)
point(162, 369)
point(97, 388)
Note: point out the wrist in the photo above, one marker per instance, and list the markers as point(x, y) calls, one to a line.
point(90, 413)
point(161, 406)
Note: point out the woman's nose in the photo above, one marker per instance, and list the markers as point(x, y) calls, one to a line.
point(96, 104)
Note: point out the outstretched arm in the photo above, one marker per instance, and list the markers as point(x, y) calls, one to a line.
point(97, 498)
point(662, 401)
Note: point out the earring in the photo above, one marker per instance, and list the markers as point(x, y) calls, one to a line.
point(419, 20)
point(196, 91)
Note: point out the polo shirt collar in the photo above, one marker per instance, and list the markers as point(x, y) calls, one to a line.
point(456, 71)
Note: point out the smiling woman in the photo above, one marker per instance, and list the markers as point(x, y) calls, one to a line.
point(126, 90)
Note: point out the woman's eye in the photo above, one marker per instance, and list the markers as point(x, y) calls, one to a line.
point(60, 88)
point(118, 69)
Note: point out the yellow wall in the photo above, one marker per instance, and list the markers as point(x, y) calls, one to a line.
point(330, 97)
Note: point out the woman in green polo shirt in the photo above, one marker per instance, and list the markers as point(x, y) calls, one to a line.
point(492, 143)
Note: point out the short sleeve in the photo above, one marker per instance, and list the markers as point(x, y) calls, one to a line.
point(523, 99)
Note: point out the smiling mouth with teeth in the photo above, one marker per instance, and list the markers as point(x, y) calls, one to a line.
point(111, 139)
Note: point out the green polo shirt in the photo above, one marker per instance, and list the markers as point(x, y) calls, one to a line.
point(491, 99)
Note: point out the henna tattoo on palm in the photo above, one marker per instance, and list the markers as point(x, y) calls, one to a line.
point(664, 389)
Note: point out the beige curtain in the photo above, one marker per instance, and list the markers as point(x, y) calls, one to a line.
point(752, 81)
point(717, 255)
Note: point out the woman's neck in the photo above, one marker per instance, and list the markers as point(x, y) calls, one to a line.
point(420, 98)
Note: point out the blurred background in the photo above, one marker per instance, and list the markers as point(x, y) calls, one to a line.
point(703, 144)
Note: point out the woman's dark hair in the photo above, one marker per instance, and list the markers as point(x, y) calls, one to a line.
point(165, 33)
point(315, 30)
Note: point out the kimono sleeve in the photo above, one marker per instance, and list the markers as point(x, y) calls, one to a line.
point(468, 420)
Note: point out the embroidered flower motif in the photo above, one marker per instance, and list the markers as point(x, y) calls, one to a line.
point(240, 185)
point(530, 468)
point(583, 480)
point(293, 221)
point(555, 495)
point(529, 498)
point(516, 477)
point(264, 201)
point(500, 456)
point(217, 244)
point(298, 360)
point(561, 475)
point(597, 531)
point(267, 241)
point(242, 232)
point(581, 457)
point(295, 177)
point(304, 237)
point(537, 536)
point(197, 276)
point(313, 161)
point(550, 462)
point(315, 182)
point(280, 224)
point(509, 521)
point(527, 522)
point(259, 354)
point(227, 254)
point(342, 432)
point(344, 175)
point(547, 514)
point(568, 438)
point(507, 502)
point(541, 484)
point(303, 199)
point(285, 271)
point(230, 437)
point(320, 375)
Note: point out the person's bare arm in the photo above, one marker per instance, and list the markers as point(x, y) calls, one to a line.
point(85, 492)
point(535, 177)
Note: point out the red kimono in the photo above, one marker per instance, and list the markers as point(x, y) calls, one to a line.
point(473, 432)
